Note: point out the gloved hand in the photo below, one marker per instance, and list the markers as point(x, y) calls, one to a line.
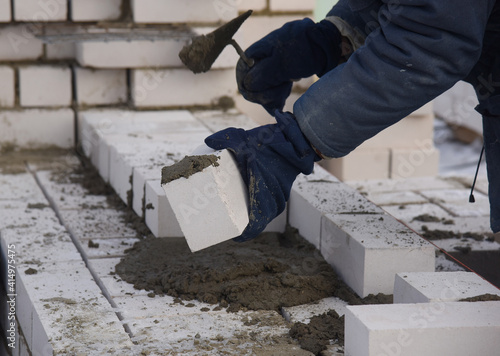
point(297, 50)
point(269, 157)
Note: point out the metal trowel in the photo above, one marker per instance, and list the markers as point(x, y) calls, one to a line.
point(203, 50)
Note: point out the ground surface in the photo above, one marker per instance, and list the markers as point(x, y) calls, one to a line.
point(226, 299)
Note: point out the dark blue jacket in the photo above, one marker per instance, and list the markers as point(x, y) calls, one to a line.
point(414, 51)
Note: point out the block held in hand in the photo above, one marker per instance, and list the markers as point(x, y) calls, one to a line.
point(208, 196)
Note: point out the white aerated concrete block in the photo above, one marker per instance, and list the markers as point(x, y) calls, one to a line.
point(45, 86)
point(361, 164)
point(314, 196)
point(424, 287)
point(173, 11)
point(292, 5)
point(35, 128)
point(95, 10)
point(130, 54)
point(5, 11)
point(431, 329)
point(367, 250)
point(101, 87)
point(211, 206)
point(18, 44)
point(40, 10)
point(7, 90)
point(180, 87)
point(158, 213)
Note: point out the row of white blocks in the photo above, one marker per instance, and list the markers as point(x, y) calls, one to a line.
point(62, 292)
point(366, 246)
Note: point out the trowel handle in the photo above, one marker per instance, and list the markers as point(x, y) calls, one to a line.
point(249, 61)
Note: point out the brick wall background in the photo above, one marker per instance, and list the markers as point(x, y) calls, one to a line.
point(61, 57)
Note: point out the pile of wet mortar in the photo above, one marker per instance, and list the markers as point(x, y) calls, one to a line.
point(268, 273)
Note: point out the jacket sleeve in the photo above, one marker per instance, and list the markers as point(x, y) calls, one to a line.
point(420, 49)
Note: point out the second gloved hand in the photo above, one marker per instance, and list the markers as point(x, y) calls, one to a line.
point(297, 50)
point(269, 157)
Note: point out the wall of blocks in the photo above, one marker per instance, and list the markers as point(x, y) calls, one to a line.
point(61, 57)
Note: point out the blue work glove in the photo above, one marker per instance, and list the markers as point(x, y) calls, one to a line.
point(297, 50)
point(269, 158)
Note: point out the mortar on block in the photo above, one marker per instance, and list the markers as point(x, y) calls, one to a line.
point(208, 196)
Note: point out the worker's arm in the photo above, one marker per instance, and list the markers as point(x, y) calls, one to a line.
point(421, 49)
point(297, 50)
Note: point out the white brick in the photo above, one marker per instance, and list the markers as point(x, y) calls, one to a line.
point(457, 201)
point(292, 5)
point(95, 10)
point(179, 87)
point(419, 162)
point(129, 54)
point(159, 216)
point(455, 328)
point(278, 224)
point(45, 86)
point(360, 164)
point(40, 10)
point(411, 211)
point(35, 128)
point(106, 223)
point(60, 49)
point(162, 11)
point(18, 43)
point(396, 198)
point(256, 27)
point(413, 184)
point(63, 50)
point(7, 90)
point(108, 247)
point(425, 110)
point(304, 313)
point(425, 287)
point(211, 206)
point(5, 11)
point(360, 246)
point(101, 128)
point(99, 87)
point(311, 199)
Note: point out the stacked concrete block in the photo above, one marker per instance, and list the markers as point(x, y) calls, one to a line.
point(211, 206)
point(447, 328)
point(403, 150)
point(96, 10)
point(45, 86)
point(40, 11)
point(18, 43)
point(367, 250)
point(101, 87)
point(180, 87)
point(7, 90)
